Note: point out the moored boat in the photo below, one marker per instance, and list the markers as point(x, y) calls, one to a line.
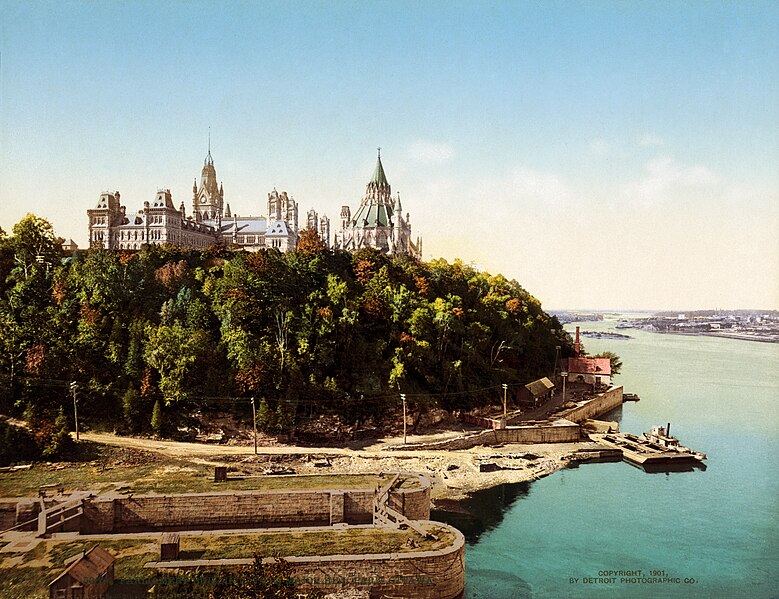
point(662, 438)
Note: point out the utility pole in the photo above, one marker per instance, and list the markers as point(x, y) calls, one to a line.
point(73, 386)
point(254, 421)
point(565, 376)
point(403, 397)
point(505, 415)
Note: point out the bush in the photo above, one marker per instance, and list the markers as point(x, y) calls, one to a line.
point(60, 444)
point(16, 445)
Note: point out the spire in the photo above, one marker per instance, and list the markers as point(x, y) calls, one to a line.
point(379, 179)
point(209, 161)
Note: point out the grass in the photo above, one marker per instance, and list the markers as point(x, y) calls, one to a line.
point(24, 583)
point(166, 476)
point(31, 581)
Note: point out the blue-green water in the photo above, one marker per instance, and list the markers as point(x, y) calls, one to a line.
point(717, 528)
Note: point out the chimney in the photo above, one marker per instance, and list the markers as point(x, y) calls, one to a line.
point(668, 430)
point(576, 343)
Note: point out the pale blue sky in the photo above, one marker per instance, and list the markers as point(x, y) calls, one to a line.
point(604, 154)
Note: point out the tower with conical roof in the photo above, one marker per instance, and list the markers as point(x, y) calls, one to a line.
point(378, 222)
point(208, 197)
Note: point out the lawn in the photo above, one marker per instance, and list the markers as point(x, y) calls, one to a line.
point(165, 476)
point(43, 564)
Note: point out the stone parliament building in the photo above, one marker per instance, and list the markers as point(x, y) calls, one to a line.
point(378, 222)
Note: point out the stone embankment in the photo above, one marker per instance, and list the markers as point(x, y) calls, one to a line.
point(437, 574)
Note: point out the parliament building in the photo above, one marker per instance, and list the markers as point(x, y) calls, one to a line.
point(377, 223)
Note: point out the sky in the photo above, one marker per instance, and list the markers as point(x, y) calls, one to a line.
point(606, 155)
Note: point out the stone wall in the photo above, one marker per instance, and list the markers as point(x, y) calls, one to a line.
point(597, 406)
point(17, 511)
point(245, 509)
point(418, 574)
point(414, 504)
point(559, 431)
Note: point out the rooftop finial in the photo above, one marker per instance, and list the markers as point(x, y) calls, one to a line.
point(209, 159)
point(379, 149)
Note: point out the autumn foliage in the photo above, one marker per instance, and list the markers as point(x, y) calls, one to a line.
point(308, 333)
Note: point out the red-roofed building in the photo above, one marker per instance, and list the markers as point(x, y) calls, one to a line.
point(593, 371)
point(87, 577)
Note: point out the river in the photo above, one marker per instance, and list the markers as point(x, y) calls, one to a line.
point(712, 533)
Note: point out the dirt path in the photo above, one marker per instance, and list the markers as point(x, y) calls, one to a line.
point(454, 473)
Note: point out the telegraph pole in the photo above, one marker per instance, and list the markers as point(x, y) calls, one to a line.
point(505, 389)
point(403, 397)
point(73, 386)
point(254, 421)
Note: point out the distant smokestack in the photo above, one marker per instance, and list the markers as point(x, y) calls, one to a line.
point(576, 344)
point(668, 430)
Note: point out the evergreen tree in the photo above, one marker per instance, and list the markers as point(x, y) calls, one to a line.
point(156, 418)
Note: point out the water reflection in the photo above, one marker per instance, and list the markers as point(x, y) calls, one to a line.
point(669, 467)
point(482, 511)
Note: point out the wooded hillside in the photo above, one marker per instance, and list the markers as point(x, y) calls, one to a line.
point(165, 331)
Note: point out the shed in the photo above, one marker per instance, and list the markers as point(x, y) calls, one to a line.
point(537, 391)
point(89, 576)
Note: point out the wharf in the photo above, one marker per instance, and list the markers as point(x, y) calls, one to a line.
point(639, 451)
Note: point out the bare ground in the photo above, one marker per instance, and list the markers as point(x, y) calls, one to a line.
point(454, 473)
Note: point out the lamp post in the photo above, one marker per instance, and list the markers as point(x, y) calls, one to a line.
point(73, 387)
point(565, 376)
point(505, 415)
point(403, 397)
point(254, 421)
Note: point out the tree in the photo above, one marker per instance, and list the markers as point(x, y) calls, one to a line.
point(156, 418)
point(616, 362)
point(132, 408)
point(309, 243)
point(60, 444)
point(34, 244)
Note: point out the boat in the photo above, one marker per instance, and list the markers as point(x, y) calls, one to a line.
point(661, 437)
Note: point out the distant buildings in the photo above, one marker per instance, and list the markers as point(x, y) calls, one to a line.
point(378, 222)
point(210, 222)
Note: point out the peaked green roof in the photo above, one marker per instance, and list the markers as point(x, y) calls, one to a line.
point(379, 178)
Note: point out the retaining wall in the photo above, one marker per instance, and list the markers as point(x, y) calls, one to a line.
point(597, 406)
point(559, 431)
point(246, 509)
point(419, 574)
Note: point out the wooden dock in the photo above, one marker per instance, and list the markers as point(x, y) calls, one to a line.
point(639, 451)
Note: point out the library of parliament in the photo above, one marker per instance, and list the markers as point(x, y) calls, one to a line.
point(378, 221)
